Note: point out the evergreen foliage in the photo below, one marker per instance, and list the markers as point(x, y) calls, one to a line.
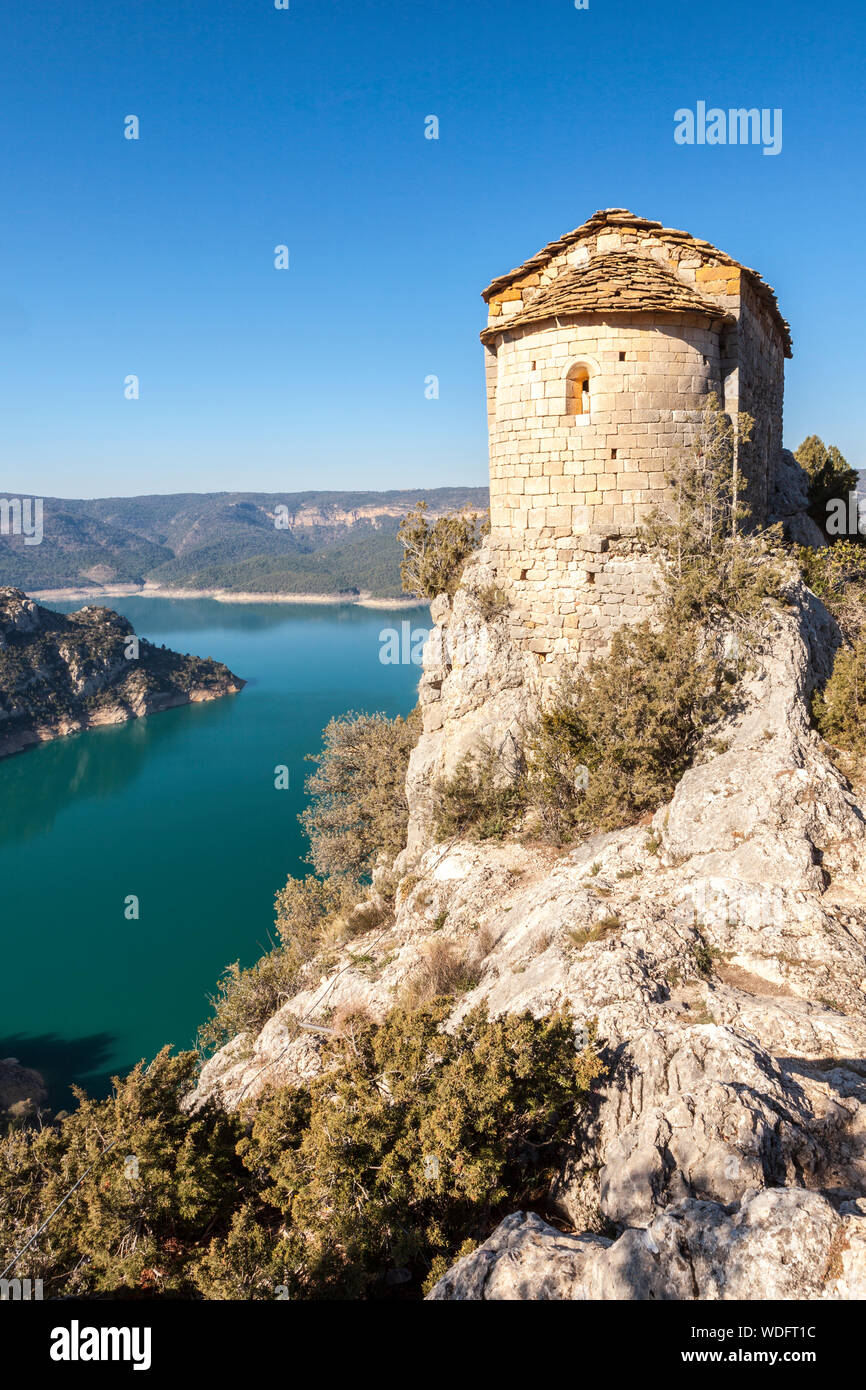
point(409, 1145)
point(434, 552)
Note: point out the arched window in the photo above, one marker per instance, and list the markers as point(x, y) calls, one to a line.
point(577, 390)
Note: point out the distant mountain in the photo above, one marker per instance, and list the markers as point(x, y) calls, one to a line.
point(258, 542)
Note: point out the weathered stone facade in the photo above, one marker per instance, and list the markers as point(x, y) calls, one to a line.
point(600, 353)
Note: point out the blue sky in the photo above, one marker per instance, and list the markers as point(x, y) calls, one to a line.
point(306, 127)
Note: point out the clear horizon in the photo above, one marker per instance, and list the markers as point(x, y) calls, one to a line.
point(306, 128)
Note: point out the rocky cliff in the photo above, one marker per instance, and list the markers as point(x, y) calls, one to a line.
point(62, 673)
point(721, 947)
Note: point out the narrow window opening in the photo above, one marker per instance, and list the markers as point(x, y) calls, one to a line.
point(613, 453)
point(622, 357)
point(532, 368)
point(577, 391)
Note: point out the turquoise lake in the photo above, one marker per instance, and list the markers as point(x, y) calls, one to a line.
point(181, 810)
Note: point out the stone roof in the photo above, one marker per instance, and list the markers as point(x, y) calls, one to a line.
point(617, 282)
point(616, 218)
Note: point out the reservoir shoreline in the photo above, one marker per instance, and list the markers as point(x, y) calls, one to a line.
point(361, 600)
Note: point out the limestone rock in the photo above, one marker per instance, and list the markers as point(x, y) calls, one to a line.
point(22, 1090)
point(789, 503)
point(61, 673)
point(721, 952)
point(780, 1244)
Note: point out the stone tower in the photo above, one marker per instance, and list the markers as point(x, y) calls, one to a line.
point(600, 351)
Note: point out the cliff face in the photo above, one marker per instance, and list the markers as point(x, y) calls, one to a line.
point(61, 673)
point(722, 950)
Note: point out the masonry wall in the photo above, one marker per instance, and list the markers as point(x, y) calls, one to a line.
point(564, 511)
point(556, 474)
point(752, 352)
point(567, 492)
point(761, 381)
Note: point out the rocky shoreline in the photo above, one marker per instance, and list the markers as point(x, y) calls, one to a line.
point(361, 600)
point(63, 673)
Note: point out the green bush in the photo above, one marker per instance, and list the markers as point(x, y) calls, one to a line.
point(414, 1141)
point(830, 475)
point(635, 720)
point(358, 807)
point(139, 1214)
point(434, 553)
point(711, 558)
point(485, 795)
point(840, 708)
point(837, 574)
point(411, 1143)
point(306, 907)
point(246, 998)
point(357, 811)
point(612, 744)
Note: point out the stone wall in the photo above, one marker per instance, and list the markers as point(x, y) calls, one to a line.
point(577, 592)
point(568, 491)
point(759, 392)
point(557, 474)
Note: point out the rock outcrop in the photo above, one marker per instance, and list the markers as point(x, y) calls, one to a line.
point(721, 949)
point(22, 1090)
point(62, 673)
point(775, 1244)
point(789, 503)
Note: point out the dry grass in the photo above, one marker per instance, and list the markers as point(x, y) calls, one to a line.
point(442, 970)
point(582, 936)
point(349, 1019)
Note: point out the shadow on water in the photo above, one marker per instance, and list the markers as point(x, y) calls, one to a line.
point(64, 1062)
point(39, 783)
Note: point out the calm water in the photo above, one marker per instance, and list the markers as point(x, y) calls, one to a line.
point(181, 810)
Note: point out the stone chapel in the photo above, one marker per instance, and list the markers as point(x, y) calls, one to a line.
point(600, 351)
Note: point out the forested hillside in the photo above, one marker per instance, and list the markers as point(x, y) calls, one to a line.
point(310, 542)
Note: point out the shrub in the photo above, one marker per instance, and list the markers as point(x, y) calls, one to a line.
point(491, 601)
point(358, 807)
point(636, 719)
point(358, 811)
point(434, 553)
point(135, 1221)
point(620, 734)
point(246, 998)
point(837, 574)
point(709, 560)
point(830, 475)
point(411, 1143)
point(486, 794)
point(559, 755)
point(305, 907)
point(840, 709)
point(613, 743)
point(413, 1140)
